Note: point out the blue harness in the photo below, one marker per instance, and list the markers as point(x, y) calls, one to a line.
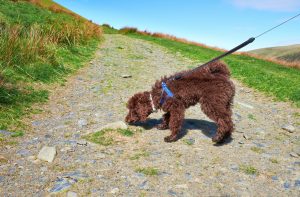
point(164, 90)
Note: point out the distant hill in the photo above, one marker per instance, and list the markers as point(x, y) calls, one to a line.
point(289, 53)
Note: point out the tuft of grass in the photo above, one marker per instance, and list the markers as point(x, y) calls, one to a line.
point(272, 78)
point(251, 116)
point(149, 171)
point(273, 160)
point(17, 134)
point(257, 150)
point(188, 141)
point(125, 132)
point(248, 169)
point(139, 155)
point(105, 137)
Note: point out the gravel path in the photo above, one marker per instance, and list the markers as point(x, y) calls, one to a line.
point(262, 159)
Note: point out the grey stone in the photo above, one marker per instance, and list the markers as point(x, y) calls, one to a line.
point(287, 185)
point(2, 178)
point(294, 154)
point(126, 76)
point(245, 105)
point(24, 152)
point(60, 185)
point(237, 117)
point(82, 123)
point(47, 154)
point(143, 185)
point(289, 128)
point(5, 133)
point(76, 175)
point(182, 186)
point(114, 190)
point(82, 143)
point(246, 137)
point(71, 194)
point(297, 183)
point(115, 125)
point(100, 156)
point(172, 193)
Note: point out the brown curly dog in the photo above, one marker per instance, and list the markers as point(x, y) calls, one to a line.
point(210, 86)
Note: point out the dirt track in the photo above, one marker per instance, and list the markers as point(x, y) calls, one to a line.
point(262, 159)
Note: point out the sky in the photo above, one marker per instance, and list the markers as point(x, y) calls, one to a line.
point(220, 23)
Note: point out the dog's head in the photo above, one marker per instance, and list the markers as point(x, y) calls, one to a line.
point(139, 107)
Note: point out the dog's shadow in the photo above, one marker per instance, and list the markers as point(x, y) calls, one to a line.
point(208, 128)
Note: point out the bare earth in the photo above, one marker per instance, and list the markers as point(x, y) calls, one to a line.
point(262, 159)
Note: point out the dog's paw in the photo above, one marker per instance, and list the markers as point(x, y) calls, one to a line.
point(219, 138)
point(170, 138)
point(162, 126)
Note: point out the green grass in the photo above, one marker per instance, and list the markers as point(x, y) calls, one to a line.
point(139, 155)
point(274, 79)
point(149, 171)
point(257, 150)
point(251, 116)
point(106, 137)
point(272, 160)
point(248, 169)
point(37, 50)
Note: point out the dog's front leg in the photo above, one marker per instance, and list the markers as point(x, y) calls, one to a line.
point(165, 122)
point(176, 110)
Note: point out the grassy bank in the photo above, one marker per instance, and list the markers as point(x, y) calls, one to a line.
point(41, 43)
point(274, 79)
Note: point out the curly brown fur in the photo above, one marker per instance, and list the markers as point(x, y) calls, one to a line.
point(210, 86)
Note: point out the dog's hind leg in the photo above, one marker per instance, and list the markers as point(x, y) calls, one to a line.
point(165, 122)
point(221, 114)
point(176, 110)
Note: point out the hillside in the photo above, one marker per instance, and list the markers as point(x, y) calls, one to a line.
point(289, 53)
point(275, 79)
point(41, 43)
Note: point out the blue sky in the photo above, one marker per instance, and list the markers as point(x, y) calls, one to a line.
point(221, 23)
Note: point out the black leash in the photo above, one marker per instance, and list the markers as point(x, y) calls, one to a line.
point(250, 40)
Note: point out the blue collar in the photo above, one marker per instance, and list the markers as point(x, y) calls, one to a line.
point(166, 90)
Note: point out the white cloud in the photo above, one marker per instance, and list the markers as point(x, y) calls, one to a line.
point(274, 5)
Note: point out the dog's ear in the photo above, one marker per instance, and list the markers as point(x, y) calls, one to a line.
point(132, 102)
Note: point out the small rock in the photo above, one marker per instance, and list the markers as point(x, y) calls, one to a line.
point(294, 154)
point(1, 179)
point(241, 142)
point(245, 105)
point(172, 193)
point(288, 128)
point(23, 152)
point(71, 194)
point(115, 125)
point(31, 158)
point(297, 183)
point(126, 76)
point(246, 137)
point(3, 160)
point(100, 156)
point(286, 185)
point(5, 133)
point(143, 185)
point(82, 143)
point(82, 123)
point(114, 191)
point(237, 117)
point(47, 154)
point(60, 185)
point(182, 186)
point(76, 175)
